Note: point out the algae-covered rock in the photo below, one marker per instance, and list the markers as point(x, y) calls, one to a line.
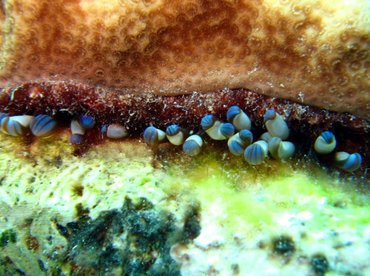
point(123, 208)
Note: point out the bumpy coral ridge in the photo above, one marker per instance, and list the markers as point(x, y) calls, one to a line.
point(315, 51)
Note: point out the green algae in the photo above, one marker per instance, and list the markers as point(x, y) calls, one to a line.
point(8, 236)
point(46, 178)
point(256, 196)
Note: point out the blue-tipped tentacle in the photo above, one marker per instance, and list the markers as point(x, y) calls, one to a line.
point(348, 162)
point(16, 125)
point(87, 121)
point(232, 112)
point(246, 136)
point(238, 118)
point(192, 145)
point(175, 134)
point(215, 129)
point(76, 139)
point(325, 143)
point(2, 116)
point(235, 147)
point(172, 130)
point(207, 122)
point(227, 130)
point(276, 125)
point(270, 114)
point(239, 141)
point(153, 135)
point(116, 131)
point(42, 125)
point(11, 127)
point(256, 153)
point(328, 136)
point(280, 149)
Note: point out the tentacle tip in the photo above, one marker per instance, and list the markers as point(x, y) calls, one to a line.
point(153, 135)
point(256, 153)
point(87, 121)
point(269, 115)
point(42, 125)
point(348, 162)
point(76, 139)
point(235, 148)
point(207, 121)
point(172, 130)
point(246, 135)
point(325, 143)
point(227, 130)
point(232, 112)
point(192, 145)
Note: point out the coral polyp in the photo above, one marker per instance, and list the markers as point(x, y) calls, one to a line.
point(15, 125)
point(325, 143)
point(238, 142)
point(153, 136)
point(193, 145)
point(42, 125)
point(190, 115)
point(256, 153)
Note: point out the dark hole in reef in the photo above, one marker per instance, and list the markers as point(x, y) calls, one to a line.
point(2, 180)
point(235, 269)
point(32, 243)
point(41, 265)
point(81, 211)
point(27, 222)
point(58, 161)
point(78, 190)
point(63, 117)
point(192, 223)
point(21, 272)
point(62, 230)
point(319, 264)
point(96, 246)
point(283, 245)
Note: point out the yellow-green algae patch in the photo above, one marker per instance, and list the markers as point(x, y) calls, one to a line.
point(297, 198)
point(254, 195)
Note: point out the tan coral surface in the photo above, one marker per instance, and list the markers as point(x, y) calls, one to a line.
point(315, 52)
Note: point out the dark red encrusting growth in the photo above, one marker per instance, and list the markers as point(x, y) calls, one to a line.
point(66, 100)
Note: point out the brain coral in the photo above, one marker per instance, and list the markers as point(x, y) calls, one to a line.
point(315, 52)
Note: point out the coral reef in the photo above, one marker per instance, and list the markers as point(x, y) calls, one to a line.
point(312, 51)
point(133, 113)
point(122, 207)
point(117, 118)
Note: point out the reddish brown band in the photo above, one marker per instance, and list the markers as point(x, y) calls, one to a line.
point(65, 100)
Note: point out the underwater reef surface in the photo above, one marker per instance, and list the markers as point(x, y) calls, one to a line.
point(104, 207)
point(314, 51)
point(123, 208)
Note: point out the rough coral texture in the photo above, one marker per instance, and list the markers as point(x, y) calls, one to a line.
point(312, 51)
point(122, 209)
